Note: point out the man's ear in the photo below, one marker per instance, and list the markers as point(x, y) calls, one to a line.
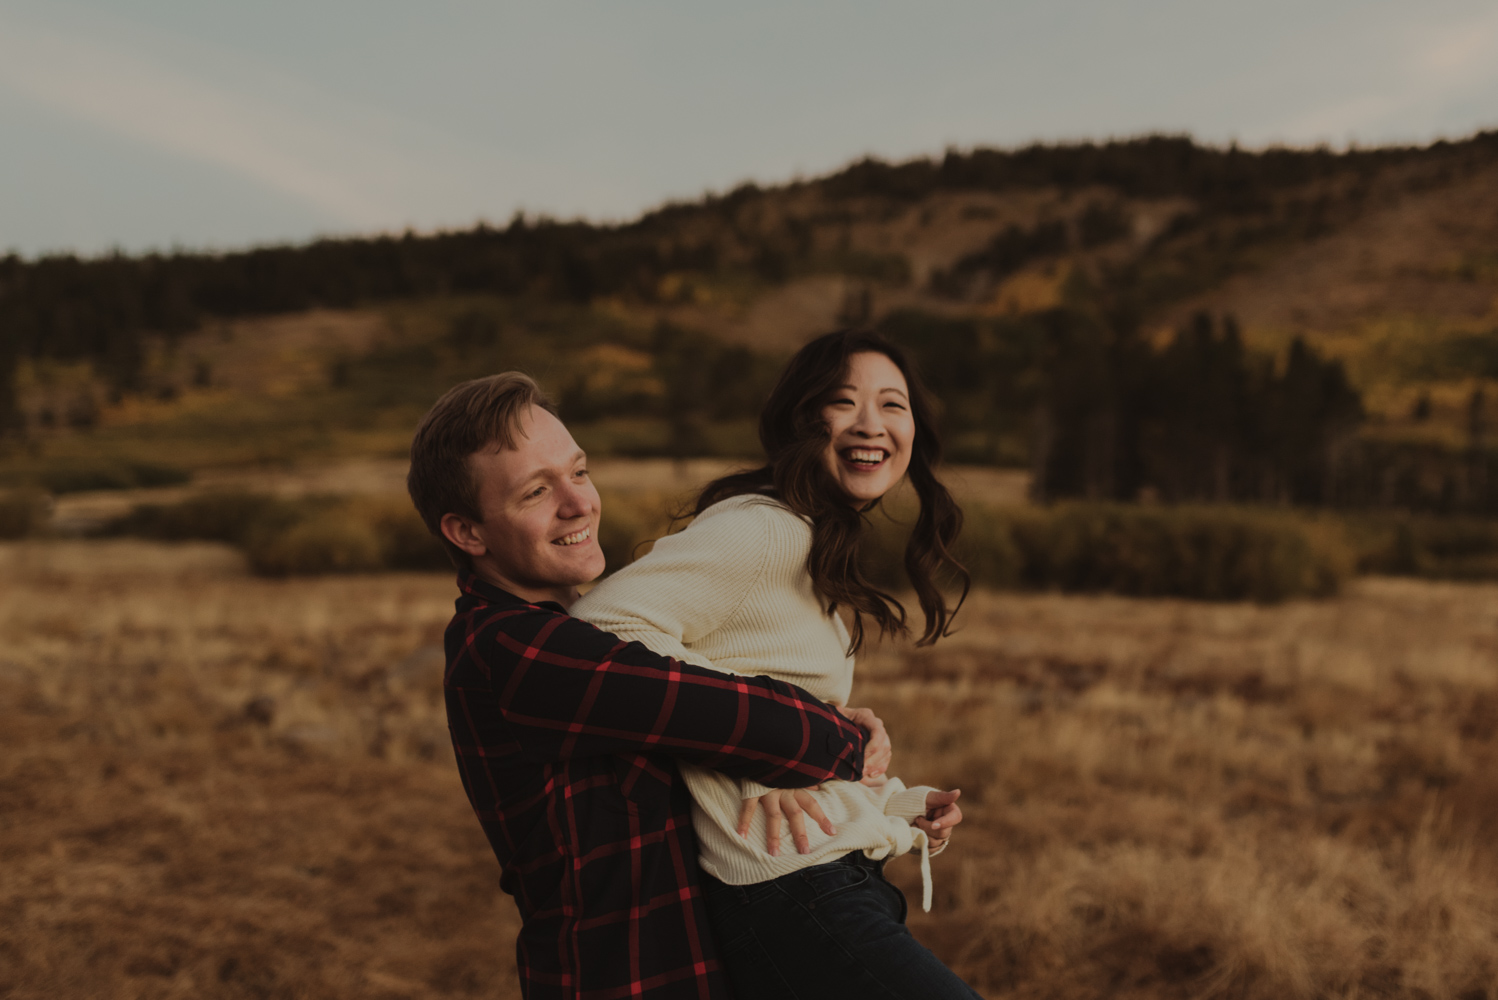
point(461, 532)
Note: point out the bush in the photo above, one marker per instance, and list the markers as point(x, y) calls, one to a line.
point(405, 543)
point(326, 542)
point(309, 535)
point(22, 513)
point(1450, 548)
point(217, 516)
point(79, 477)
point(1207, 553)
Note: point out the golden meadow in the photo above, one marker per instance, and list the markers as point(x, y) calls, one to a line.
point(226, 772)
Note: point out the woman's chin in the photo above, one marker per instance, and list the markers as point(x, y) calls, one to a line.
point(865, 491)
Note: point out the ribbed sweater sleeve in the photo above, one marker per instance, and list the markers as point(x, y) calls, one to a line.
point(689, 586)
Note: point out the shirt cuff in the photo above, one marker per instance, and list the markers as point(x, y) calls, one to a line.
point(908, 804)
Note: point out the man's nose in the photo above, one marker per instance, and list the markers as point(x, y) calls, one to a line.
point(573, 502)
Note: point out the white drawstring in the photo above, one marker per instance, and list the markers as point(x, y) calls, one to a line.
point(925, 870)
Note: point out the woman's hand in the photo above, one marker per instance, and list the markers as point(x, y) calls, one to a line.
point(942, 814)
point(788, 805)
point(877, 750)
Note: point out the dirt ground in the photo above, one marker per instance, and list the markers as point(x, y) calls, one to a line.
point(216, 785)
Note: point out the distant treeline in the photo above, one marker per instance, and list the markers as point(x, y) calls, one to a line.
point(1103, 414)
point(100, 309)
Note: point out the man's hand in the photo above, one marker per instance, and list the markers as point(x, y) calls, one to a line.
point(942, 814)
point(790, 806)
point(877, 750)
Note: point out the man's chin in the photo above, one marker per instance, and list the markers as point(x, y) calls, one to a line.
point(582, 568)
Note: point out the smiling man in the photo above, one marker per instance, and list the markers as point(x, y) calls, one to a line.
point(568, 738)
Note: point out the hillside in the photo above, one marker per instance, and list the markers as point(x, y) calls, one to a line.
point(660, 335)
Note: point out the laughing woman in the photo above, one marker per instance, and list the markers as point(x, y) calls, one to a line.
point(753, 586)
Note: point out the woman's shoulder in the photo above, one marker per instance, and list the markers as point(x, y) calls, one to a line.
point(761, 509)
point(756, 521)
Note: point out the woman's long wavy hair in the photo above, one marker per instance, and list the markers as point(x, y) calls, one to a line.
point(795, 437)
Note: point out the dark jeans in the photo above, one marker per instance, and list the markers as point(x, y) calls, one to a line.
point(823, 933)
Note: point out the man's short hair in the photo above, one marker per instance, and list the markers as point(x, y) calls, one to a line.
point(468, 418)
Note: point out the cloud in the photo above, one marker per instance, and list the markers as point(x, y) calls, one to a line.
point(1432, 67)
point(344, 161)
point(1460, 54)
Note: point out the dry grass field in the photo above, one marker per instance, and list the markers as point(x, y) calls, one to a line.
point(213, 785)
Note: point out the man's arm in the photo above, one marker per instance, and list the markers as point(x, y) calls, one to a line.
point(564, 689)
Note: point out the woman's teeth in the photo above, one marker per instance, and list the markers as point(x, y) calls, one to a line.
point(861, 456)
point(575, 537)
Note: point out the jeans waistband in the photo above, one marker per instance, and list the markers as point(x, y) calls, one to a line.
point(860, 860)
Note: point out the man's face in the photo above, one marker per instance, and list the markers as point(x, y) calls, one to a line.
point(539, 535)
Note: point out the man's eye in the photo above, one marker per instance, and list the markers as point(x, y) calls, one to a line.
point(535, 492)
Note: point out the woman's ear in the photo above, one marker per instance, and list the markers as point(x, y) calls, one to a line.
point(461, 532)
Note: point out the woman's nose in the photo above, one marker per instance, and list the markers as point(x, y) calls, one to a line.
point(867, 423)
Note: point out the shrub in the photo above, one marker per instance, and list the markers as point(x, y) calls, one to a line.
point(1452, 548)
point(308, 535)
point(79, 477)
point(218, 516)
point(1208, 553)
point(22, 512)
point(405, 542)
point(328, 541)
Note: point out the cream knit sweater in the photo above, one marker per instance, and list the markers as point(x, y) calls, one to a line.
point(731, 592)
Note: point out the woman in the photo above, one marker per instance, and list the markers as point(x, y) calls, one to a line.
point(752, 586)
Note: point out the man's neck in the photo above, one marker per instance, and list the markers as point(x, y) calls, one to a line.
point(561, 594)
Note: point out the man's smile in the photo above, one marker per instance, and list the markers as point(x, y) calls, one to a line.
point(575, 538)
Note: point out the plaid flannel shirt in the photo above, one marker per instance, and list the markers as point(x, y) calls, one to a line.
point(567, 739)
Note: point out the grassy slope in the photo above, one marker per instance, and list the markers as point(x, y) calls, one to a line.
point(1394, 294)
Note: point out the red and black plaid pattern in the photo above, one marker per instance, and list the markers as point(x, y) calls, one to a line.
point(567, 740)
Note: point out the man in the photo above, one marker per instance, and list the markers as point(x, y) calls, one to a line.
point(566, 737)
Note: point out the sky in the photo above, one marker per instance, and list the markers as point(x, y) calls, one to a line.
point(140, 125)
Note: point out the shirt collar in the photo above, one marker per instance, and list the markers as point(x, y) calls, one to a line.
point(476, 588)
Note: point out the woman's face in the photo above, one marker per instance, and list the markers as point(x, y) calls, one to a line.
point(872, 428)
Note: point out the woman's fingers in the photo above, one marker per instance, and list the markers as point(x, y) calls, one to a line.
point(942, 814)
point(795, 818)
point(937, 835)
point(937, 800)
point(947, 817)
point(746, 814)
point(773, 818)
point(814, 810)
point(785, 808)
